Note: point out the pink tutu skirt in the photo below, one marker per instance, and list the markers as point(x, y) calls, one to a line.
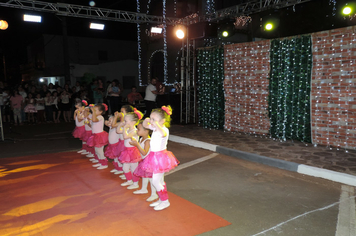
point(157, 162)
point(112, 150)
point(30, 108)
point(140, 172)
point(86, 135)
point(78, 132)
point(98, 139)
point(130, 155)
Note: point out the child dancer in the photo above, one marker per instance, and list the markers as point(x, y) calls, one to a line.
point(159, 160)
point(124, 110)
point(99, 138)
point(130, 156)
point(113, 151)
point(79, 130)
point(87, 118)
point(144, 148)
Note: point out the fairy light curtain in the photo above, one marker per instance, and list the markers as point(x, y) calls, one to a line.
point(211, 99)
point(289, 88)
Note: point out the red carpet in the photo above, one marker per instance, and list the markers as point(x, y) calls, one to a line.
point(61, 194)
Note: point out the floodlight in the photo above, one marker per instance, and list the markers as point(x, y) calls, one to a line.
point(347, 10)
point(41, 80)
point(156, 30)
point(32, 18)
point(97, 26)
point(225, 34)
point(269, 26)
point(3, 25)
point(180, 34)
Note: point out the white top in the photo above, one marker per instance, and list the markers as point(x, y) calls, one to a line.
point(113, 136)
point(121, 136)
point(23, 94)
point(65, 99)
point(48, 101)
point(77, 123)
point(149, 95)
point(142, 144)
point(87, 127)
point(39, 106)
point(98, 127)
point(128, 140)
point(158, 143)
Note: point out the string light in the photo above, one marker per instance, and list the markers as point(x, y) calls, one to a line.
point(139, 45)
point(165, 52)
point(149, 62)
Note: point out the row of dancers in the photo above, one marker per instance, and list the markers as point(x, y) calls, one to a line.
point(137, 147)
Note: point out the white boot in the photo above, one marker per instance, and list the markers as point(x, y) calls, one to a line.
point(162, 205)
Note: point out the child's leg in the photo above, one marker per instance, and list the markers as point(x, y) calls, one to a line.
point(127, 173)
point(157, 179)
point(154, 195)
point(143, 190)
point(100, 153)
point(135, 179)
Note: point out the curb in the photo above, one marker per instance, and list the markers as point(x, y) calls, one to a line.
point(281, 164)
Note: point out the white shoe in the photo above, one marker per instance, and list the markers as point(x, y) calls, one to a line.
point(133, 186)
point(155, 203)
point(90, 155)
point(85, 153)
point(141, 191)
point(81, 151)
point(113, 170)
point(102, 167)
point(93, 159)
point(123, 178)
point(96, 165)
point(152, 198)
point(162, 206)
point(127, 183)
point(117, 172)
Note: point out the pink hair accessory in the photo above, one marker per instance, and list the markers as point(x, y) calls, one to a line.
point(91, 105)
point(106, 107)
point(166, 109)
point(85, 102)
point(138, 113)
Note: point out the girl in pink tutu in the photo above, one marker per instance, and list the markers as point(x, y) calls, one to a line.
point(130, 156)
point(144, 147)
point(99, 137)
point(113, 151)
point(89, 151)
point(159, 160)
point(79, 130)
point(116, 123)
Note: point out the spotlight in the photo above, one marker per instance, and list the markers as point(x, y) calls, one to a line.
point(156, 30)
point(269, 26)
point(32, 18)
point(179, 31)
point(347, 10)
point(97, 26)
point(3, 25)
point(225, 34)
point(41, 80)
point(92, 3)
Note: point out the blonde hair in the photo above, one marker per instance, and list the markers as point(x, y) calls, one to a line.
point(165, 113)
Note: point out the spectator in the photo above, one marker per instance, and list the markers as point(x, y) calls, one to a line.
point(40, 107)
point(65, 105)
point(16, 101)
point(55, 109)
point(150, 97)
point(97, 94)
point(51, 88)
point(30, 108)
point(134, 96)
point(48, 107)
point(23, 93)
point(161, 97)
point(77, 87)
point(6, 105)
point(114, 93)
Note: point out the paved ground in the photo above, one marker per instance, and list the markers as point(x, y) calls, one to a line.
point(294, 151)
point(256, 199)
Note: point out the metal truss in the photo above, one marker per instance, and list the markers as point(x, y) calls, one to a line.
point(250, 7)
point(64, 9)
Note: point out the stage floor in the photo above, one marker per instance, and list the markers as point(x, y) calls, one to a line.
point(62, 194)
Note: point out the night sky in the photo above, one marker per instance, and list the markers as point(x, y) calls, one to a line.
point(316, 15)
